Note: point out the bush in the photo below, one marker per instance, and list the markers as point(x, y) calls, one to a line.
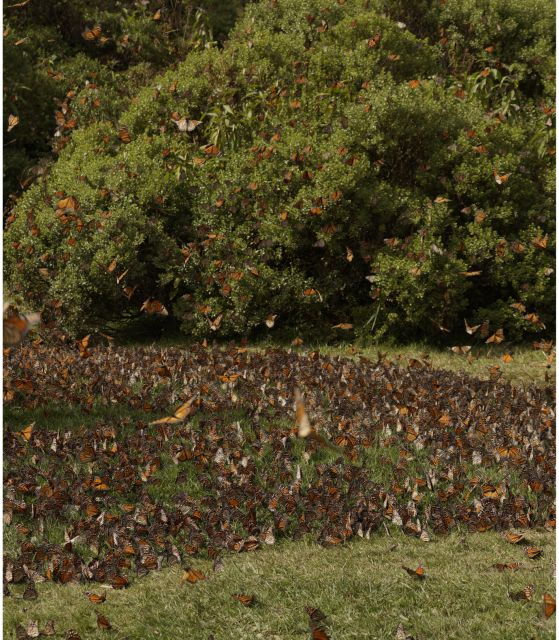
point(321, 168)
point(52, 67)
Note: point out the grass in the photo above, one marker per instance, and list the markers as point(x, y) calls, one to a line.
point(528, 365)
point(361, 587)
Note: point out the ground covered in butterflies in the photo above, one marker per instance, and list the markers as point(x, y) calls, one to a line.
point(116, 492)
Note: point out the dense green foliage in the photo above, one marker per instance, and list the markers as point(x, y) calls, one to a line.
point(377, 163)
point(52, 53)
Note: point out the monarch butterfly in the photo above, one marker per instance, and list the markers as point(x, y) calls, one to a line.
point(244, 599)
point(418, 573)
point(119, 582)
point(548, 605)
point(92, 34)
point(87, 454)
point(514, 538)
point(95, 598)
point(99, 484)
point(103, 622)
point(524, 594)
point(124, 135)
point(17, 326)
point(496, 338)
point(304, 429)
point(180, 414)
point(27, 432)
point(533, 552)
point(151, 307)
point(192, 575)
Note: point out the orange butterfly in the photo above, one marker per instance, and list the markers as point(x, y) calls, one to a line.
point(95, 598)
point(124, 135)
point(103, 622)
point(92, 34)
point(304, 429)
point(180, 414)
point(119, 582)
point(533, 552)
point(548, 605)
point(244, 599)
point(514, 538)
point(418, 573)
point(512, 566)
point(17, 326)
point(151, 306)
point(27, 432)
point(496, 338)
point(192, 575)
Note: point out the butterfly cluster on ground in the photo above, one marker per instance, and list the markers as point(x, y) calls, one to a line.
point(247, 425)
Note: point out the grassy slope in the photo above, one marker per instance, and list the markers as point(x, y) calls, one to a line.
point(361, 586)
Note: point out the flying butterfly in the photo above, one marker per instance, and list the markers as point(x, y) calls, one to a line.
point(151, 306)
point(12, 122)
point(471, 329)
point(304, 429)
point(496, 338)
point(17, 326)
point(180, 414)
